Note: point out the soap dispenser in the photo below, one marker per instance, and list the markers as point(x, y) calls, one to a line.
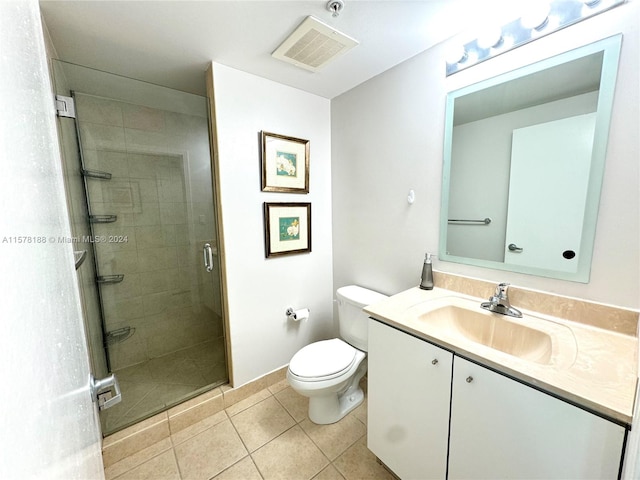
point(427, 273)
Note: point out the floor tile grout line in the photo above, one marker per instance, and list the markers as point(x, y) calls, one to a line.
point(245, 447)
point(175, 457)
point(256, 465)
point(280, 434)
point(341, 453)
point(238, 433)
point(227, 416)
point(275, 438)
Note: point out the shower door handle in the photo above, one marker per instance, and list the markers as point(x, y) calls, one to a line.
point(208, 257)
point(102, 397)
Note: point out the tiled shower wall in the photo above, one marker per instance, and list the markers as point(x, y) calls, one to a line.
point(160, 191)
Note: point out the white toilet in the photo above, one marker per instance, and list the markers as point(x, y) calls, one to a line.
point(329, 371)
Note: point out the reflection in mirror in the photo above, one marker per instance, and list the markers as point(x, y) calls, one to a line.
point(524, 157)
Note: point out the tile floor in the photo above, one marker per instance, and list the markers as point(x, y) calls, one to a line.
point(153, 386)
point(265, 436)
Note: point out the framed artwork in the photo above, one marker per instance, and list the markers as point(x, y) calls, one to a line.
point(285, 163)
point(287, 228)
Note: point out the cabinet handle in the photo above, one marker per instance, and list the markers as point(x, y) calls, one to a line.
point(469, 379)
point(434, 361)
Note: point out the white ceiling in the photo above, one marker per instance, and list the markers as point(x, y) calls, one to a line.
point(172, 42)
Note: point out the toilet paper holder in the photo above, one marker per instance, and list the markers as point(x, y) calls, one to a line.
point(294, 314)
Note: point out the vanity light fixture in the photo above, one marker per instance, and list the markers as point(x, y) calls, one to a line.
point(542, 18)
point(537, 16)
point(490, 37)
point(457, 54)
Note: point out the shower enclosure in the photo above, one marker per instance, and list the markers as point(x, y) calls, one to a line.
point(140, 192)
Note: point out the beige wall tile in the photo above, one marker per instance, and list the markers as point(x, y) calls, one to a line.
point(145, 141)
point(99, 110)
point(276, 376)
point(143, 118)
point(97, 137)
point(234, 395)
point(156, 304)
point(157, 258)
point(147, 214)
point(116, 262)
point(119, 196)
point(153, 282)
point(620, 320)
point(130, 353)
point(195, 410)
point(113, 162)
point(279, 386)
point(143, 166)
point(248, 402)
point(174, 213)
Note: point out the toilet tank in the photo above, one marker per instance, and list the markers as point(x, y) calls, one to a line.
point(353, 322)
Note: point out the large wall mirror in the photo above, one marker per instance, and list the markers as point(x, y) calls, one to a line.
point(524, 158)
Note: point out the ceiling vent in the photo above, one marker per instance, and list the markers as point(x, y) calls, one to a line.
point(313, 44)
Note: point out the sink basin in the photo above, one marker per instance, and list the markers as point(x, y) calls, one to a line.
point(461, 320)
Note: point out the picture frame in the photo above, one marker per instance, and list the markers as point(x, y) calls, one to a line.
point(287, 228)
point(285, 163)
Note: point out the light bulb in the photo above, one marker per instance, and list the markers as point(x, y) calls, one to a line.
point(456, 54)
point(489, 37)
point(536, 16)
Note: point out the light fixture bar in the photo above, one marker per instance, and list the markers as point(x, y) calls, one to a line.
point(561, 14)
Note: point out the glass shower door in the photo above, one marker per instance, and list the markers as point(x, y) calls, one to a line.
point(145, 163)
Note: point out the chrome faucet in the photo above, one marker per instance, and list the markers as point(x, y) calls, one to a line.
point(499, 302)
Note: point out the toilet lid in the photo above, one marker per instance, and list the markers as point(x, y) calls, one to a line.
point(320, 359)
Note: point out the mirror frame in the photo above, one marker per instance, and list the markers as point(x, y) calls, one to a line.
point(610, 47)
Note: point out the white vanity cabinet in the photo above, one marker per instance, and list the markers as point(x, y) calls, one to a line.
point(501, 428)
point(409, 384)
point(435, 415)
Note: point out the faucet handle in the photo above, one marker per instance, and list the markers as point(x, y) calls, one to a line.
point(502, 289)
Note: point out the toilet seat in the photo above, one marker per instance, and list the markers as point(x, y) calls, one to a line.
point(323, 360)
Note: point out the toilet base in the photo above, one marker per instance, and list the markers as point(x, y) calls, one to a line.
point(326, 409)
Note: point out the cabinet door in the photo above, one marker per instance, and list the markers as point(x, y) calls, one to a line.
point(501, 428)
point(409, 383)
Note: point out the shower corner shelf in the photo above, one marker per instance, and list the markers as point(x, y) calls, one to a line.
point(79, 257)
point(110, 278)
point(103, 218)
point(96, 174)
point(119, 335)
